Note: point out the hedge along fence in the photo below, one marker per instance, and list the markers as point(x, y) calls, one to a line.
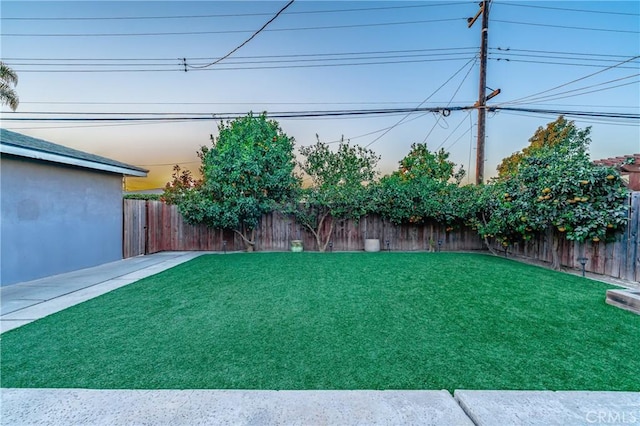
point(619, 259)
point(164, 229)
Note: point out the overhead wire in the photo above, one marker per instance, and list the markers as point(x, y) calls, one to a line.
point(450, 100)
point(554, 63)
point(566, 27)
point(556, 96)
point(572, 81)
point(421, 103)
point(377, 131)
point(229, 15)
point(230, 116)
point(180, 33)
point(324, 54)
point(230, 67)
point(606, 121)
point(566, 9)
point(454, 130)
point(262, 28)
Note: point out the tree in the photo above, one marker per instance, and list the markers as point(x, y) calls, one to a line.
point(420, 189)
point(182, 182)
point(8, 80)
point(338, 187)
point(555, 132)
point(247, 172)
point(420, 162)
point(556, 190)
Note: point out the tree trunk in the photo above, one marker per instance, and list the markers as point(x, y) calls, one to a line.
point(322, 245)
point(486, 240)
point(555, 251)
point(249, 243)
point(323, 248)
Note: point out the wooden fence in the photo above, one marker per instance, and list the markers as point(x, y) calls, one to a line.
point(156, 226)
point(619, 259)
point(152, 226)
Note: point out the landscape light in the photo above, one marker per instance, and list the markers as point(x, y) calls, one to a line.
point(224, 246)
point(583, 261)
point(331, 246)
point(386, 242)
point(439, 245)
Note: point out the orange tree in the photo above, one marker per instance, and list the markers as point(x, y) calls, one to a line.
point(556, 188)
point(246, 173)
point(425, 187)
point(337, 188)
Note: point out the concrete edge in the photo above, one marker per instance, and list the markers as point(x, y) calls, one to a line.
point(347, 407)
point(495, 407)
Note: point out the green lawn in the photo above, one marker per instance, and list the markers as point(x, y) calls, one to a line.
point(336, 321)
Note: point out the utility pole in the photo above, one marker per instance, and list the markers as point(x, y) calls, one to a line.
point(482, 98)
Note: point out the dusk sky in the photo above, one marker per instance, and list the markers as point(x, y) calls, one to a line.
point(125, 58)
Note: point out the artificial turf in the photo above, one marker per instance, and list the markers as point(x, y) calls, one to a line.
point(336, 321)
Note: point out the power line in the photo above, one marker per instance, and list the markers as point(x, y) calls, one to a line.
point(231, 15)
point(555, 52)
point(243, 43)
point(567, 27)
point(573, 81)
point(231, 116)
point(571, 113)
point(238, 61)
point(462, 135)
point(168, 164)
point(377, 131)
point(568, 58)
point(422, 103)
point(601, 12)
point(330, 27)
point(454, 130)
point(556, 63)
point(330, 54)
point(553, 97)
point(450, 101)
point(228, 67)
point(226, 103)
point(607, 121)
point(124, 121)
point(556, 95)
point(111, 67)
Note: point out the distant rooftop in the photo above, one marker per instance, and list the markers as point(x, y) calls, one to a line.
point(629, 167)
point(619, 161)
point(25, 146)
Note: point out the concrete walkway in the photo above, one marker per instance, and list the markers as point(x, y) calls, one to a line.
point(61, 407)
point(27, 302)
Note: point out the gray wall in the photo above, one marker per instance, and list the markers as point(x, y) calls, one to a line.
point(56, 218)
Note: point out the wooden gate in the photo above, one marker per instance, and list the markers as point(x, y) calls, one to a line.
point(134, 239)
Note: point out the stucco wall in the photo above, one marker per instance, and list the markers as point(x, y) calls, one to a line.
point(56, 219)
